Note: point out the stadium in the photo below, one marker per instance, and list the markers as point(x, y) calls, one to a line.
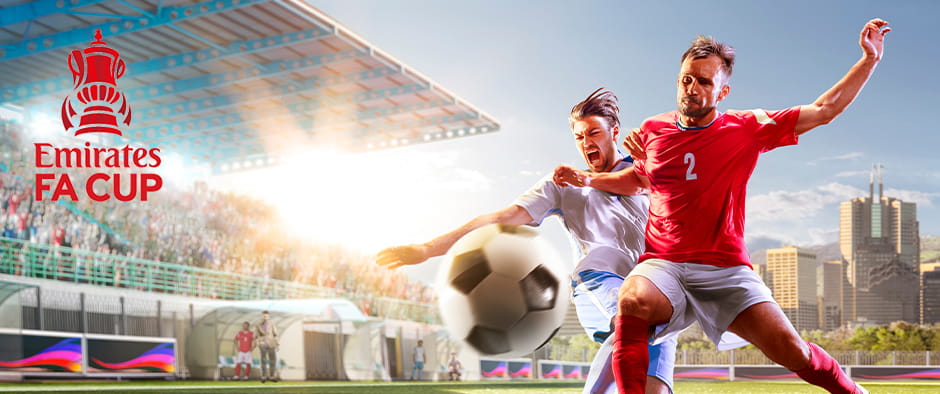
point(138, 239)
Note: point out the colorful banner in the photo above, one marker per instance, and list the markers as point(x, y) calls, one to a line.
point(520, 369)
point(919, 373)
point(699, 373)
point(44, 354)
point(551, 371)
point(131, 357)
point(494, 369)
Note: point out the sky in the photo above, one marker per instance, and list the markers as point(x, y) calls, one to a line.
point(528, 62)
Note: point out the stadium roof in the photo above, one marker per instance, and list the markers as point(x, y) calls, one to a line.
point(231, 84)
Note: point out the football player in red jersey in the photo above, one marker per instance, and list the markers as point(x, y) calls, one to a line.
point(696, 163)
point(244, 344)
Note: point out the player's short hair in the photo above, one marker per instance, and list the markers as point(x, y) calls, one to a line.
point(246, 323)
point(265, 313)
point(704, 47)
point(601, 103)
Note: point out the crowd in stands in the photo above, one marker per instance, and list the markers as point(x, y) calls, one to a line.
point(192, 226)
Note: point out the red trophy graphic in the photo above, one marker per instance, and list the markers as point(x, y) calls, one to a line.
point(95, 71)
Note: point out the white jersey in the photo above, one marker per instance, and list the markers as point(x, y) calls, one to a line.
point(608, 228)
point(419, 354)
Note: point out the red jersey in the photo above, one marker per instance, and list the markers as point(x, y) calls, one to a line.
point(244, 339)
point(698, 182)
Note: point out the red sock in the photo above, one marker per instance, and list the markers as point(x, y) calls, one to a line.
point(247, 369)
point(631, 355)
point(824, 371)
point(238, 369)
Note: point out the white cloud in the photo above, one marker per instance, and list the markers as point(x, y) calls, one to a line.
point(922, 199)
point(852, 174)
point(847, 156)
point(793, 205)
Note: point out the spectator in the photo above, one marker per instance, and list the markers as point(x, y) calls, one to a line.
point(454, 367)
point(268, 345)
point(418, 358)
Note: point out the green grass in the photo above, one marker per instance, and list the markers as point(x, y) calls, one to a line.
point(430, 387)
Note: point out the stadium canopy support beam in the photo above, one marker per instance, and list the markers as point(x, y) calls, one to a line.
point(172, 131)
point(217, 102)
point(37, 9)
point(28, 91)
point(83, 35)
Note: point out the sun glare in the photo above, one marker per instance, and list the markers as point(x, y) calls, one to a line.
point(364, 201)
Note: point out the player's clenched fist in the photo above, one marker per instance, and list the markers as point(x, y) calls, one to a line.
point(632, 144)
point(567, 175)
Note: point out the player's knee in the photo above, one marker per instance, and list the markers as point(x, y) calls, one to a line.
point(632, 302)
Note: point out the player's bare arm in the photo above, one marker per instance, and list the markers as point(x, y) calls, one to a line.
point(624, 182)
point(398, 256)
point(835, 100)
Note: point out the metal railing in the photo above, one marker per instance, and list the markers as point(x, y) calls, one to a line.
point(32, 260)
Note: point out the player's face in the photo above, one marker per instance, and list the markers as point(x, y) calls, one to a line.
point(265, 316)
point(597, 142)
point(245, 326)
point(702, 84)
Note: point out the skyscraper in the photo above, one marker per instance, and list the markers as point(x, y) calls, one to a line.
point(930, 297)
point(792, 277)
point(879, 240)
point(829, 289)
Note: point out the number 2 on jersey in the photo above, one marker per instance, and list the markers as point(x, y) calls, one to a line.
point(690, 160)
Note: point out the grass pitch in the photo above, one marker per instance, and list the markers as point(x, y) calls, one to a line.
point(431, 387)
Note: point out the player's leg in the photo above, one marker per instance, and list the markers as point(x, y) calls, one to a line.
point(595, 297)
point(662, 365)
point(766, 326)
point(247, 367)
point(238, 368)
point(735, 299)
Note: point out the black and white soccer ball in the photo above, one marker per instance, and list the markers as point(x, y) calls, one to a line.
point(504, 291)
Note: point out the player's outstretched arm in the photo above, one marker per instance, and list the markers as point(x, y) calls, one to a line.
point(398, 256)
point(625, 182)
point(835, 100)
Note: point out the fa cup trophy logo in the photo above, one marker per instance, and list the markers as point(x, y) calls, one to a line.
point(99, 104)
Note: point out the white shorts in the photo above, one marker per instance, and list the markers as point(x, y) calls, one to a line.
point(712, 295)
point(243, 357)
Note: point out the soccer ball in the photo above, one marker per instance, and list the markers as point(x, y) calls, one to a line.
point(504, 292)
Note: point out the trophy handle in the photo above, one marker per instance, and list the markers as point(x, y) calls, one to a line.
point(77, 61)
point(119, 70)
